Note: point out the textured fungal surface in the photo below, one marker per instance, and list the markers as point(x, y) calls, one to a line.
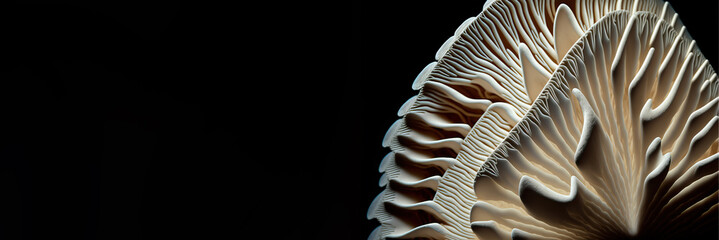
point(556, 120)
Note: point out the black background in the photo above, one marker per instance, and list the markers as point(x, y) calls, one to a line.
point(157, 120)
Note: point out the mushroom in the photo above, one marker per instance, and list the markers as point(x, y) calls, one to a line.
point(465, 158)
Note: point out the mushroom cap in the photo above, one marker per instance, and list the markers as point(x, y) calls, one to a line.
point(486, 83)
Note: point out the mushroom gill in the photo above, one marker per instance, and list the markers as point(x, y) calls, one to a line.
point(632, 154)
point(483, 113)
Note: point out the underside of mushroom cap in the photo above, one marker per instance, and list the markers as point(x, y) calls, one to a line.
point(485, 80)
